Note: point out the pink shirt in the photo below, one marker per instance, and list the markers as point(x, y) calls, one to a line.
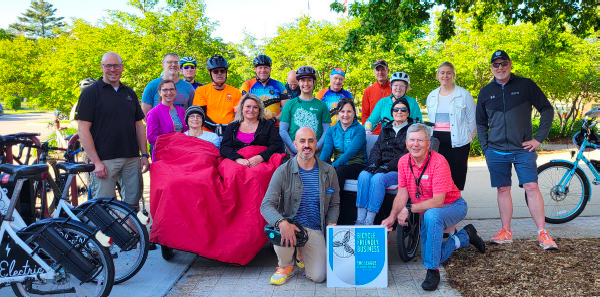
point(436, 179)
point(246, 138)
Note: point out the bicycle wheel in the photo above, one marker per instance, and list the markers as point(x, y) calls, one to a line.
point(128, 262)
point(65, 282)
point(562, 206)
point(407, 237)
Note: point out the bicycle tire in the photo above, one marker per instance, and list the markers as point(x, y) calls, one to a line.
point(128, 263)
point(408, 238)
point(562, 207)
point(102, 284)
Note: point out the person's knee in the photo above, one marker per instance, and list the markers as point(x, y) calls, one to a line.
point(432, 216)
point(529, 187)
point(503, 190)
point(317, 275)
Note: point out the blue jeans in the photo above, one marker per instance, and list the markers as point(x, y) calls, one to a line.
point(371, 189)
point(435, 220)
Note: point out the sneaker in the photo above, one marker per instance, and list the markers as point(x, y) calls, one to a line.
point(474, 239)
point(299, 259)
point(502, 236)
point(282, 275)
point(546, 241)
point(432, 280)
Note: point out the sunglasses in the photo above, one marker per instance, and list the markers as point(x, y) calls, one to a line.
point(496, 65)
point(187, 67)
point(402, 109)
point(219, 71)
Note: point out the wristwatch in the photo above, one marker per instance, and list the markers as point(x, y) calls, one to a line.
point(409, 207)
point(145, 155)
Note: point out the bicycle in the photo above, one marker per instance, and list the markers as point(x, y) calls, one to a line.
point(114, 218)
point(564, 185)
point(52, 256)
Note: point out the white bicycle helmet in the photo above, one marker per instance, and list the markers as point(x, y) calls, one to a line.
point(400, 76)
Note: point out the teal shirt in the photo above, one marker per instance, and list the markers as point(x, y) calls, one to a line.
point(383, 108)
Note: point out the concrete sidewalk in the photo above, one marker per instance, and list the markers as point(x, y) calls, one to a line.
point(211, 278)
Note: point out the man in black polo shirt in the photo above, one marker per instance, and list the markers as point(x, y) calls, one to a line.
point(112, 133)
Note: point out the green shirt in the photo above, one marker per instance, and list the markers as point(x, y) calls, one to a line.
point(302, 113)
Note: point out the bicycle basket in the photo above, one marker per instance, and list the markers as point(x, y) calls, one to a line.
point(578, 140)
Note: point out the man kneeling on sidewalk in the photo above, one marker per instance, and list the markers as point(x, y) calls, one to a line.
point(306, 190)
point(424, 176)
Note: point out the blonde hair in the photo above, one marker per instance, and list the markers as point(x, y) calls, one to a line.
point(446, 63)
point(239, 117)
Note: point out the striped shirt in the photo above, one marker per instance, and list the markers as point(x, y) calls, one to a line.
point(436, 179)
point(309, 214)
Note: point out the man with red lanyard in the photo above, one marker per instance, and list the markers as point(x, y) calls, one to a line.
point(424, 176)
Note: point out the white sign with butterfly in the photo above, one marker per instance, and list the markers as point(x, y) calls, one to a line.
point(357, 256)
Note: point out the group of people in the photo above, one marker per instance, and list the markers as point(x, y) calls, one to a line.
point(327, 145)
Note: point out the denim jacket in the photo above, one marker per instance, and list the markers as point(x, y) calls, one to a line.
point(462, 115)
point(352, 144)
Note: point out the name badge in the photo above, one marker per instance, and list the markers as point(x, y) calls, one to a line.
point(329, 191)
point(425, 177)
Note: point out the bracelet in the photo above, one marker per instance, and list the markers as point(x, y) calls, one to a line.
point(278, 222)
point(409, 207)
point(145, 155)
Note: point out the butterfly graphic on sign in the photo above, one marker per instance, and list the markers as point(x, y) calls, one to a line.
point(343, 244)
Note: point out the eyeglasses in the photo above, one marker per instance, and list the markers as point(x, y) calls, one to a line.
point(293, 84)
point(401, 86)
point(412, 140)
point(171, 62)
point(496, 65)
point(219, 71)
point(195, 117)
point(168, 90)
point(402, 109)
point(186, 67)
point(113, 66)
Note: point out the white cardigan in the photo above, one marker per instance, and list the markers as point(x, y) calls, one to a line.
point(462, 115)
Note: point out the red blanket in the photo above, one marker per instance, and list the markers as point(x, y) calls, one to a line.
point(205, 204)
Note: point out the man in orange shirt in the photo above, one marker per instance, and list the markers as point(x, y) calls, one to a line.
point(381, 88)
point(217, 99)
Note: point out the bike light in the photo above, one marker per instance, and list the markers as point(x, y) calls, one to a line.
point(143, 218)
point(103, 239)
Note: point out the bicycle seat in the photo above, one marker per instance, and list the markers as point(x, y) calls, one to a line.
point(74, 168)
point(24, 171)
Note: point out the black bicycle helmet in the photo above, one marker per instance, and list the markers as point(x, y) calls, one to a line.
point(187, 60)
point(578, 140)
point(216, 61)
point(274, 235)
point(306, 71)
point(195, 109)
point(262, 60)
point(86, 83)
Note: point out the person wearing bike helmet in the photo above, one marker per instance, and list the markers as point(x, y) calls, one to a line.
point(424, 177)
point(188, 71)
point(218, 99)
point(379, 89)
point(305, 110)
point(400, 83)
point(270, 91)
point(504, 130)
point(304, 189)
point(194, 118)
point(334, 93)
point(83, 84)
point(185, 91)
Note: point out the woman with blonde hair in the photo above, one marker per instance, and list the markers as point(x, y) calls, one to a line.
point(250, 127)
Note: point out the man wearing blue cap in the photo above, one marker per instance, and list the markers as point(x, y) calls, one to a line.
point(504, 130)
point(335, 92)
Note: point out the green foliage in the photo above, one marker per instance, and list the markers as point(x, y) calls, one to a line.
point(13, 102)
point(38, 21)
point(5, 34)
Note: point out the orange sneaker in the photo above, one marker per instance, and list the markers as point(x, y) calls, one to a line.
point(299, 261)
point(282, 275)
point(546, 241)
point(503, 236)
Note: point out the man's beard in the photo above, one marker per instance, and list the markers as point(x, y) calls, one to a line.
point(307, 157)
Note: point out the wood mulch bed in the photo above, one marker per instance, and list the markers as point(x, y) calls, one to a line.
point(524, 269)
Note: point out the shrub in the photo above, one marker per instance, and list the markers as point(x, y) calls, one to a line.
point(13, 102)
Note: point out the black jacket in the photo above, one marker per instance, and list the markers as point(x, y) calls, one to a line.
point(504, 114)
point(389, 147)
point(291, 94)
point(266, 135)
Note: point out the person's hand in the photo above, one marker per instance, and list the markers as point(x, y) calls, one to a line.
point(371, 168)
point(255, 160)
point(531, 145)
point(382, 169)
point(288, 233)
point(242, 162)
point(145, 164)
point(332, 224)
point(100, 171)
point(388, 223)
point(369, 132)
point(403, 216)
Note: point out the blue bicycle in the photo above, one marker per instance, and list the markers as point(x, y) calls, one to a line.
point(564, 185)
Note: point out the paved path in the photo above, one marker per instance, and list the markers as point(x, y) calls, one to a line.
point(28, 122)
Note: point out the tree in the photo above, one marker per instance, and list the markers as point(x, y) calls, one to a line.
point(38, 21)
point(390, 17)
point(5, 34)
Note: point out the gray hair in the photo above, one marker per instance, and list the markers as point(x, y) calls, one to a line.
point(446, 63)
point(170, 54)
point(417, 127)
point(239, 116)
point(112, 53)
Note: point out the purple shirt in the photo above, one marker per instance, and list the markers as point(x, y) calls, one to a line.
point(245, 137)
point(159, 121)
